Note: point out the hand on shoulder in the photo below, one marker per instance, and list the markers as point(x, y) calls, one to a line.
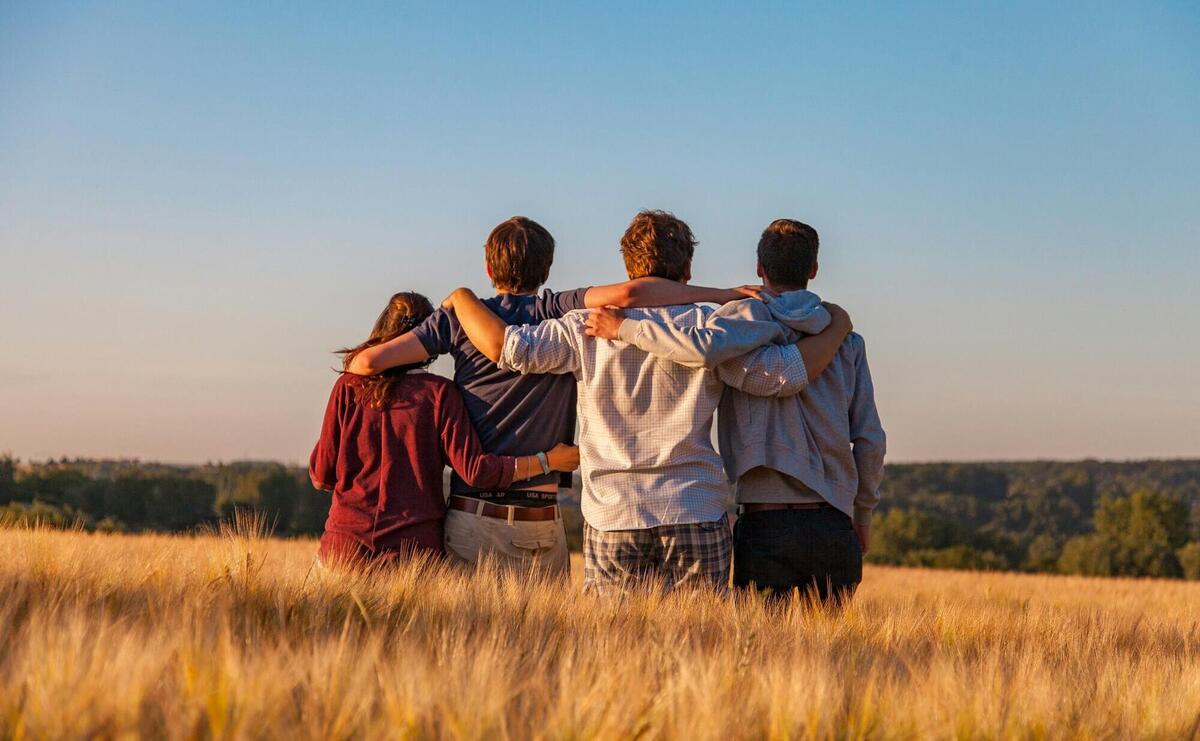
point(457, 295)
point(604, 323)
point(840, 318)
point(762, 293)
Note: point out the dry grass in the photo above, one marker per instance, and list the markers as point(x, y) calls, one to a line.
point(239, 636)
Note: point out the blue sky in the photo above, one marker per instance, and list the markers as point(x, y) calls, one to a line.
point(198, 202)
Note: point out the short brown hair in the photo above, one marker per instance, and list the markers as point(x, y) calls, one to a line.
point(658, 244)
point(519, 253)
point(787, 252)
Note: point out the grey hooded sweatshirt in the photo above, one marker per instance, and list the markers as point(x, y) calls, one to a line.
point(828, 437)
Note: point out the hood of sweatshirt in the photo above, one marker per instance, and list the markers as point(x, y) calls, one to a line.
point(800, 311)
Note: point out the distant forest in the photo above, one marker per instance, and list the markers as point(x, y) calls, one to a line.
point(1085, 517)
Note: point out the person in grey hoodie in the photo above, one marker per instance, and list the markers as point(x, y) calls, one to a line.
point(807, 467)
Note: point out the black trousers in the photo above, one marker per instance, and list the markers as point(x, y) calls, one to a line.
point(813, 550)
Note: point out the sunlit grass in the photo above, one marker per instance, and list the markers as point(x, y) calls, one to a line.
point(235, 634)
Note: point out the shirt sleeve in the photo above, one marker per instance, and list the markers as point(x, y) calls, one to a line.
point(737, 341)
point(732, 331)
point(322, 464)
point(549, 347)
point(867, 437)
point(556, 305)
point(774, 370)
point(436, 333)
point(461, 449)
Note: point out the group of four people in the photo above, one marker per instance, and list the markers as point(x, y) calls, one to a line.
point(647, 366)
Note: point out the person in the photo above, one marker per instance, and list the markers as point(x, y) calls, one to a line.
point(808, 467)
point(384, 443)
point(655, 494)
point(517, 414)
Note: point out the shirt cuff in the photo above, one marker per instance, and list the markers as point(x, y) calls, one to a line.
point(797, 371)
point(508, 472)
point(628, 331)
point(515, 348)
point(862, 516)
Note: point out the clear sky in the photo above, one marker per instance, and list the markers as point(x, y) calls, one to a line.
point(199, 202)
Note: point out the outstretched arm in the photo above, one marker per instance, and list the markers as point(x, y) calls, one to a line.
point(403, 350)
point(484, 329)
point(819, 350)
point(551, 346)
point(462, 450)
point(539, 348)
point(730, 332)
point(664, 292)
point(784, 371)
point(722, 340)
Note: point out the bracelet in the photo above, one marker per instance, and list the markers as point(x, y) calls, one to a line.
point(542, 459)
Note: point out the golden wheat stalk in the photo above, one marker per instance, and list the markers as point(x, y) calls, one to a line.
point(236, 635)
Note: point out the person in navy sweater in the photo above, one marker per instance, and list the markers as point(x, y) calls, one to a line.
point(385, 442)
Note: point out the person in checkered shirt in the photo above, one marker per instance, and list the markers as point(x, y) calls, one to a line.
point(807, 467)
point(655, 491)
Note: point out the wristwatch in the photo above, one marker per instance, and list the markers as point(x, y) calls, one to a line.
point(542, 459)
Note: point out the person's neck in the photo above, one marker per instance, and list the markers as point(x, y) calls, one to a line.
point(779, 288)
point(516, 293)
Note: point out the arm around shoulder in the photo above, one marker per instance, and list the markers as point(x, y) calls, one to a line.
point(772, 370)
point(649, 291)
point(484, 329)
point(549, 347)
point(403, 350)
point(729, 332)
point(820, 349)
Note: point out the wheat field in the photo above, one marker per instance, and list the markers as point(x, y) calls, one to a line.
point(238, 635)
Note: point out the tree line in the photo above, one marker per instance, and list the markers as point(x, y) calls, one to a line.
point(1086, 517)
point(1095, 518)
point(131, 496)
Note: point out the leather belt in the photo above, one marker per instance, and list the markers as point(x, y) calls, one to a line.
point(776, 507)
point(504, 511)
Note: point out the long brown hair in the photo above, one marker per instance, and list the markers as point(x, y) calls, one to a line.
point(403, 312)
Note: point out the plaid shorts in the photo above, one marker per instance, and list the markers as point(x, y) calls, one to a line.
point(694, 554)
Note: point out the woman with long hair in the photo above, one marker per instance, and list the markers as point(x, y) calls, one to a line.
point(384, 444)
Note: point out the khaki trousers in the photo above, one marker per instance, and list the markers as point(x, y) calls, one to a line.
point(526, 546)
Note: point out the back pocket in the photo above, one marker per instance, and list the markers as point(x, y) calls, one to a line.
point(537, 538)
point(837, 553)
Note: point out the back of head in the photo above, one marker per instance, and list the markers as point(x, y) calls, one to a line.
point(660, 245)
point(787, 253)
point(519, 254)
point(403, 312)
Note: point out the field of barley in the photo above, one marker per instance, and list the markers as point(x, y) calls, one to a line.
point(238, 635)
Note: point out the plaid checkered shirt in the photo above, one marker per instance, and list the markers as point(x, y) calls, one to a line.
point(645, 436)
